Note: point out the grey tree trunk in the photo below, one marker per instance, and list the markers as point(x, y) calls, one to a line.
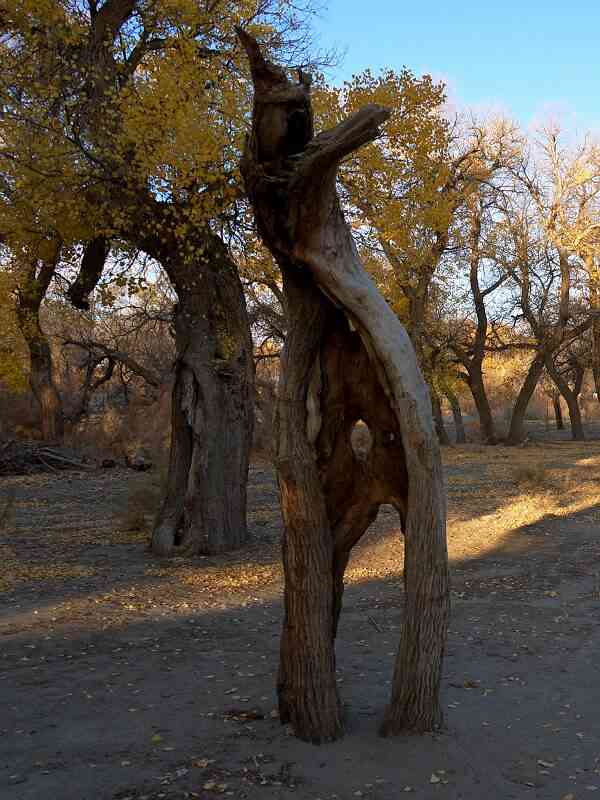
point(204, 510)
point(348, 359)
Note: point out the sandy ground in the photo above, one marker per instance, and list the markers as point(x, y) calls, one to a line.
point(123, 677)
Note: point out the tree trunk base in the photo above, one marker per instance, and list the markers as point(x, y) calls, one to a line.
point(204, 509)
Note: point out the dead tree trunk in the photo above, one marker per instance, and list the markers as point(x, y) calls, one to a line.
point(204, 509)
point(459, 427)
point(347, 358)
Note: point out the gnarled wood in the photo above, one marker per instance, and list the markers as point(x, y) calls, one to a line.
point(34, 284)
point(204, 509)
point(351, 361)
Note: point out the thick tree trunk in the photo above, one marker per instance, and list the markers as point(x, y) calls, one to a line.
point(44, 389)
point(459, 427)
point(558, 417)
point(35, 281)
point(365, 368)
point(482, 404)
point(438, 417)
point(516, 433)
point(204, 510)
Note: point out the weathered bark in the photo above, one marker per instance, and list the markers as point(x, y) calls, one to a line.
point(516, 432)
point(34, 284)
point(356, 363)
point(459, 427)
point(204, 510)
point(42, 382)
point(306, 684)
point(558, 417)
point(438, 417)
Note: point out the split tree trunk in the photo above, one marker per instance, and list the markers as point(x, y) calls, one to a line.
point(204, 510)
point(571, 398)
point(347, 359)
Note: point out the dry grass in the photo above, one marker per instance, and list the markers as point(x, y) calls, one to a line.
point(532, 477)
point(505, 491)
point(497, 498)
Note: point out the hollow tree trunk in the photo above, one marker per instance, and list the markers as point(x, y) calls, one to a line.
point(204, 510)
point(290, 178)
point(438, 417)
point(482, 404)
point(459, 427)
point(516, 433)
point(558, 417)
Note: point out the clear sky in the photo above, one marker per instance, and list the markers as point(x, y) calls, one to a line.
point(529, 58)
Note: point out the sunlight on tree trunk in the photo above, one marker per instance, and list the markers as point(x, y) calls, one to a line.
point(347, 358)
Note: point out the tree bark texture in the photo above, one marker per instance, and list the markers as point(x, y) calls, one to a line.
point(347, 358)
point(204, 509)
point(35, 282)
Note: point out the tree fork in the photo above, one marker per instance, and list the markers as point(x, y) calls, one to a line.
point(361, 366)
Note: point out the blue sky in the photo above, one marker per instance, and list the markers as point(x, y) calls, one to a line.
point(530, 58)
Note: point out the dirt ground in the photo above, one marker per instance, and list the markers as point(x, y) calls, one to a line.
point(125, 677)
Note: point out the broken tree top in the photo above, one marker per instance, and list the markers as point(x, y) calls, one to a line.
point(282, 145)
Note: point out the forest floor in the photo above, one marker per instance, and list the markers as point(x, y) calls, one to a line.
point(126, 677)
